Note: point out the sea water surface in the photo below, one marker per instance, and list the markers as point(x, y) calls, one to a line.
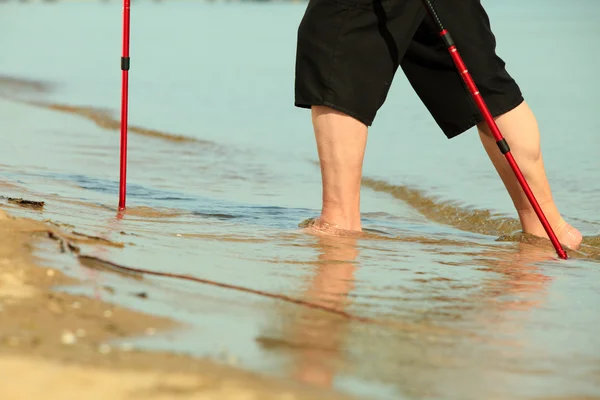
point(222, 170)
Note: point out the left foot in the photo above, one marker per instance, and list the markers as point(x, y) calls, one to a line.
point(319, 226)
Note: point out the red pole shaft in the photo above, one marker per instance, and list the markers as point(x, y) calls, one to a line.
point(504, 148)
point(464, 72)
point(124, 105)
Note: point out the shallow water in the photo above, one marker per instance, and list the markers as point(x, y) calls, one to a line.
point(430, 304)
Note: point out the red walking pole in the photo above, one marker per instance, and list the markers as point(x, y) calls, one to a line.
point(502, 144)
point(125, 70)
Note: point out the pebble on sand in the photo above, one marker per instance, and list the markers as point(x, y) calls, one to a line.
point(68, 338)
point(104, 348)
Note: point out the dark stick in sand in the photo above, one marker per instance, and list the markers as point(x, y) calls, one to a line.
point(97, 263)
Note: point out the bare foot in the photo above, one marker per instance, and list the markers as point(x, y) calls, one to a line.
point(318, 226)
point(567, 235)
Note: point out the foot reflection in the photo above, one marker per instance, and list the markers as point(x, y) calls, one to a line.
point(320, 336)
point(446, 355)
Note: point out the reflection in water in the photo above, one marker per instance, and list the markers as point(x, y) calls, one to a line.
point(523, 281)
point(321, 338)
point(455, 314)
point(466, 335)
point(480, 355)
point(107, 234)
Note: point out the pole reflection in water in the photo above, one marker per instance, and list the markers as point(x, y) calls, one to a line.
point(456, 337)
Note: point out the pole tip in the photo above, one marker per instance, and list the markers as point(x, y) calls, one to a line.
point(563, 254)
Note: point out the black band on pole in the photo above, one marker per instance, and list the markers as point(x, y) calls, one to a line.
point(447, 38)
point(125, 63)
point(503, 146)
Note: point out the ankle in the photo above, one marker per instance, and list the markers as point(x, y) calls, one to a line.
point(531, 222)
point(345, 219)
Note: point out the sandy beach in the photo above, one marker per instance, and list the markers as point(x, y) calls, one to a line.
point(206, 287)
point(58, 341)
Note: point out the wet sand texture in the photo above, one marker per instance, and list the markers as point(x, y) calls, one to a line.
point(55, 345)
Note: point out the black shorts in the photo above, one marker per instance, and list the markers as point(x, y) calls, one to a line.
point(349, 50)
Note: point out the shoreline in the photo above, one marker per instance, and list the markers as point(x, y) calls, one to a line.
point(59, 340)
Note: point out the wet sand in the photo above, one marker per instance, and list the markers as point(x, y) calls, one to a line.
point(60, 341)
point(310, 326)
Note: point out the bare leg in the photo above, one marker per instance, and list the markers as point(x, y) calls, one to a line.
point(341, 142)
point(519, 128)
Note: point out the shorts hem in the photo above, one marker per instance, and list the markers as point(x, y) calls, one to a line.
point(478, 118)
point(309, 104)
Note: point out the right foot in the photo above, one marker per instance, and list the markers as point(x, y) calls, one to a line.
point(567, 235)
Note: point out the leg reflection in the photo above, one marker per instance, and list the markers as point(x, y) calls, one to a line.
point(320, 336)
